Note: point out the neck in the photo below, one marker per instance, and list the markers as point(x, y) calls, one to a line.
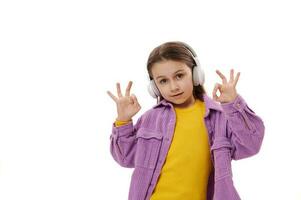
point(189, 102)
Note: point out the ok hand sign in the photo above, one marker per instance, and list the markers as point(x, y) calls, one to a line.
point(227, 89)
point(127, 106)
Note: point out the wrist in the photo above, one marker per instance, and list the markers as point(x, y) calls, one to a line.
point(121, 119)
point(231, 100)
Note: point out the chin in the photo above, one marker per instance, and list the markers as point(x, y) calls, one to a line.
point(178, 101)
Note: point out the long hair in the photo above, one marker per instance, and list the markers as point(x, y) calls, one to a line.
point(176, 51)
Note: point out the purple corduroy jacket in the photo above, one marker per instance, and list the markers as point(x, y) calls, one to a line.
point(234, 132)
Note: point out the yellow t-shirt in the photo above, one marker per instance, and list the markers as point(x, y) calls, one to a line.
point(186, 170)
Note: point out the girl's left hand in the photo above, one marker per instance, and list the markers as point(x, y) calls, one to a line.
point(227, 89)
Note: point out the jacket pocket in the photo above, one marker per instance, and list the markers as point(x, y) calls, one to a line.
point(148, 148)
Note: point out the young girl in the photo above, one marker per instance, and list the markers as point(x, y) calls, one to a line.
point(182, 147)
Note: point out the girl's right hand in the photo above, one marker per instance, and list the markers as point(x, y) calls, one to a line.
point(127, 106)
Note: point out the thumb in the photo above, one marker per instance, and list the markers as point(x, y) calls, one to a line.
point(136, 102)
point(216, 88)
point(134, 98)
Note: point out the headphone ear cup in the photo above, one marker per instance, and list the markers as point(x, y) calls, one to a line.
point(198, 76)
point(153, 90)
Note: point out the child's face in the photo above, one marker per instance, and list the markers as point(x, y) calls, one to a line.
point(173, 78)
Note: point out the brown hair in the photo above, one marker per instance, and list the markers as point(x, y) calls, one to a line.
point(176, 51)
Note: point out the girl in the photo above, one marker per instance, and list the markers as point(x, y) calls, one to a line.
point(182, 147)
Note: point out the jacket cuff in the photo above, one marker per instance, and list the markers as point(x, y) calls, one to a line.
point(238, 104)
point(118, 131)
point(221, 142)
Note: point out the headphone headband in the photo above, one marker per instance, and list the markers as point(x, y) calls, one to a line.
point(192, 52)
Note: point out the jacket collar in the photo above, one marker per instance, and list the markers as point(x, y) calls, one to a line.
point(210, 104)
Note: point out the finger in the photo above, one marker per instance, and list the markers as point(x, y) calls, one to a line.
point(112, 96)
point(136, 103)
point(231, 75)
point(128, 88)
point(236, 79)
point(132, 101)
point(215, 89)
point(118, 90)
point(222, 76)
point(135, 99)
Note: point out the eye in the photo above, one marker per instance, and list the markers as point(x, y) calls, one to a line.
point(162, 81)
point(180, 75)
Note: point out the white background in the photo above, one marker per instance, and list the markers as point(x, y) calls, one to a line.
point(58, 59)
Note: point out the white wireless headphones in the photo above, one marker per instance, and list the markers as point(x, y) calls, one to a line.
point(198, 74)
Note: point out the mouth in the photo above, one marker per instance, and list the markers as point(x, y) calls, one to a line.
point(177, 95)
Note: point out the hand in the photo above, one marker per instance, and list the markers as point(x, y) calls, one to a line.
point(127, 106)
point(227, 89)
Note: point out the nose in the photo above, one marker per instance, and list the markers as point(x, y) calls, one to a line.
point(174, 86)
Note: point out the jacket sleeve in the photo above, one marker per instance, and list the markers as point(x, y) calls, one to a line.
point(244, 128)
point(123, 143)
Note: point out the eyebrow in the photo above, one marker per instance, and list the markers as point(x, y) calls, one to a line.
point(173, 73)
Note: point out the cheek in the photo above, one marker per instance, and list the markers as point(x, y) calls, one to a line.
point(188, 84)
point(163, 91)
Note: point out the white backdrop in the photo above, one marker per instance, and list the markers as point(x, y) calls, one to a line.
point(58, 59)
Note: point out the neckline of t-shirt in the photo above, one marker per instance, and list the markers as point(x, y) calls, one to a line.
point(190, 108)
